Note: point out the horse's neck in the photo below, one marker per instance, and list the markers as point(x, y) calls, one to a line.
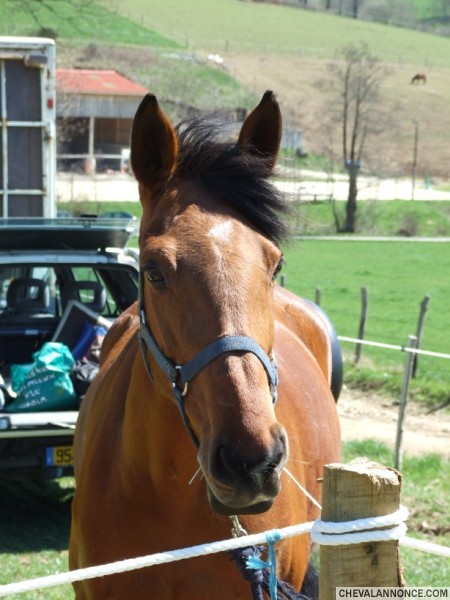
point(156, 443)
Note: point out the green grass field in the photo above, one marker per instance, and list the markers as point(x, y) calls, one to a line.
point(240, 26)
point(97, 24)
point(232, 25)
point(378, 218)
point(398, 275)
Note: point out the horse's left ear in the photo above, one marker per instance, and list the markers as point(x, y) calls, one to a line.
point(261, 132)
point(154, 144)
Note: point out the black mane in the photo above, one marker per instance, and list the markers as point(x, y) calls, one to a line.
point(238, 178)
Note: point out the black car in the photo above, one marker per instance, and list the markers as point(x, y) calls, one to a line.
point(62, 284)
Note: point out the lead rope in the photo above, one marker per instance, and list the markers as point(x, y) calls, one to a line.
point(261, 574)
point(240, 557)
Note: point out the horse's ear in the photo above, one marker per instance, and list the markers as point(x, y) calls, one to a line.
point(261, 132)
point(154, 143)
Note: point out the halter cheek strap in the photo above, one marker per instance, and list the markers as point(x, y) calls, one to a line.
point(183, 374)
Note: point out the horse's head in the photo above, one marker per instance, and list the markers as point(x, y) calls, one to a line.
point(209, 257)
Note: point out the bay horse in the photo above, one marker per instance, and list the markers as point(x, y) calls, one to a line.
point(419, 77)
point(189, 375)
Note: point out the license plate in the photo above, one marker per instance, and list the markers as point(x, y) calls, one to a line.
point(59, 456)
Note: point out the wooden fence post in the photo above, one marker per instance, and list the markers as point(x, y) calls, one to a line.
point(318, 296)
point(412, 345)
point(419, 333)
point(362, 323)
point(359, 490)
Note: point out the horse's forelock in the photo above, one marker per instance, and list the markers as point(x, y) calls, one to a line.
point(240, 179)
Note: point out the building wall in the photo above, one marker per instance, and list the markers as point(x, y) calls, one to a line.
point(108, 107)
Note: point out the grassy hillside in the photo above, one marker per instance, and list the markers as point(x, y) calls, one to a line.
point(234, 25)
point(226, 25)
point(99, 37)
point(287, 49)
point(94, 23)
point(164, 45)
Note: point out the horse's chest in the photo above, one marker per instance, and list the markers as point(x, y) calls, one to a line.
point(203, 578)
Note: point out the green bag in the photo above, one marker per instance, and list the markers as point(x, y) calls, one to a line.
point(18, 375)
point(47, 385)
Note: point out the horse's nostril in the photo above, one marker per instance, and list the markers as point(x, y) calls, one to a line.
point(226, 461)
point(232, 464)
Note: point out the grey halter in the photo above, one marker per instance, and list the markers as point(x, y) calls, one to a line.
point(180, 375)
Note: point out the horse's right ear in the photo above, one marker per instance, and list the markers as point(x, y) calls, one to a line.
point(154, 144)
point(261, 132)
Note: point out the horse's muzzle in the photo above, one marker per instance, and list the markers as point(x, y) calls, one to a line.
point(244, 482)
point(228, 511)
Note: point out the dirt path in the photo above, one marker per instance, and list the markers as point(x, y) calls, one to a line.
point(365, 416)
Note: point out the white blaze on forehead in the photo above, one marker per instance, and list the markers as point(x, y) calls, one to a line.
point(222, 232)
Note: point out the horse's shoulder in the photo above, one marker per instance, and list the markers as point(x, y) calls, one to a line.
point(100, 390)
point(299, 316)
point(119, 333)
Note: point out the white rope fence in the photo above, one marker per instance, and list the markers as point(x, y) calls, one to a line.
point(150, 560)
point(349, 532)
point(326, 533)
point(427, 547)
point(393, 347)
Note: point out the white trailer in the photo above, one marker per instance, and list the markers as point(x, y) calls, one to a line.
point(27, 127)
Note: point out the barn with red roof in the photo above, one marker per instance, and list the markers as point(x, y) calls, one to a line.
point(95, 110)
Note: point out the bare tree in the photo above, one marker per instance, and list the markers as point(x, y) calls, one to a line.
point(355, 80)
point(356, 4)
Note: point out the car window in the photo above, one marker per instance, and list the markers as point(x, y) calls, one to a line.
point(6, 275)
point(89, 295)
point(104, 289)
point(48, 275)
point(28, 291)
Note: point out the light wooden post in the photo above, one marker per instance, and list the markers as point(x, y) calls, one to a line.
point(359, 490)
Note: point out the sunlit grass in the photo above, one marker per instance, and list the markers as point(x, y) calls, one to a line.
point(235, 26)
point(93, 23)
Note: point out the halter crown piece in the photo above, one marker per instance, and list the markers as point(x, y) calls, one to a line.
point(183, 374)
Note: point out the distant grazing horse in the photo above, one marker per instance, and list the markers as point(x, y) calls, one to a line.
point(420, 77)
point(188, 381)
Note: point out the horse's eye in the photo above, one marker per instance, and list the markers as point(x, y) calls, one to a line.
point(277, 270)
point(155, 277)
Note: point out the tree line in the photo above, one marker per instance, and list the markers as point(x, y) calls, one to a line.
point(395, 12)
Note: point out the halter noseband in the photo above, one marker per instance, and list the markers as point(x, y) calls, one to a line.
point(183, 374)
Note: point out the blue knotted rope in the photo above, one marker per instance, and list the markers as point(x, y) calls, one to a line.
point(262, 575)
point(255, 562)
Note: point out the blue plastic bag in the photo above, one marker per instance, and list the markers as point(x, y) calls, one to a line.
point(47, 385)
